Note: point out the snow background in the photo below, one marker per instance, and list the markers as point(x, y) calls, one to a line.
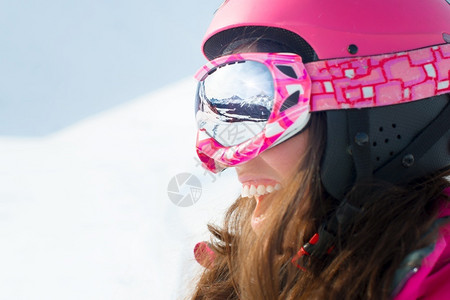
point(87, 151)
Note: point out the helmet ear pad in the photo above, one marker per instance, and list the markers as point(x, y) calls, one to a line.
point(387, 132)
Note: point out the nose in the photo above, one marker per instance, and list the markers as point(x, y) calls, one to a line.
point(248, 165)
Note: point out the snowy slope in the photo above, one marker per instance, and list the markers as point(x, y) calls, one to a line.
point(85, 214)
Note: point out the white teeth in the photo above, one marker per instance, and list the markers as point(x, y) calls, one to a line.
point(261, 190)
point(244, 192)
point(251, 190)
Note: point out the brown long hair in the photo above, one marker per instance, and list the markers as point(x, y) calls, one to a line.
point(395, 221)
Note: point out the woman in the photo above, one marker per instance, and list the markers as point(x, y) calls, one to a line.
point(335, 115)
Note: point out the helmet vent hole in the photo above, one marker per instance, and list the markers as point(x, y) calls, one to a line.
point(391, 153)
point(352, 49)
point(386, 141)
point(381, 129)
point(378, 158)
point(399, 137)
point(446, 36)
point(394, 125)
point(374, 144)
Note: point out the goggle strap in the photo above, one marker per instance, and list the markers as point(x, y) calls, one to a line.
point(379, 80)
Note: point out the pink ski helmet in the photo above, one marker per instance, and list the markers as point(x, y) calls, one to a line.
point(331, 27)
point(394, 143)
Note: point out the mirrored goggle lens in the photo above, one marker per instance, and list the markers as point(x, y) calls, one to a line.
point(234, 101)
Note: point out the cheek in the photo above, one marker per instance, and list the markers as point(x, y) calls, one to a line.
point(285, 157)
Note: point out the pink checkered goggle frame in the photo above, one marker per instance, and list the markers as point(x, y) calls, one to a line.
point(346, 83)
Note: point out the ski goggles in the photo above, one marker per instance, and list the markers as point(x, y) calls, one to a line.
point(247, 103)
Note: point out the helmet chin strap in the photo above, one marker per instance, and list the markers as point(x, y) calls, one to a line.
point(323, 241)
point(436, 135)
point(358, 126)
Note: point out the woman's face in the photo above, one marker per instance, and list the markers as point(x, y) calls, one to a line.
point(270, 171)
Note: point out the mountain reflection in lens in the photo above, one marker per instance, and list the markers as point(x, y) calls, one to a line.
point(235, 101)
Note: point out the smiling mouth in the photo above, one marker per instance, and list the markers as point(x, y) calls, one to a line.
point(253, 190)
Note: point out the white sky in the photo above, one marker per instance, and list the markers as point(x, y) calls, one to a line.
point(62, 61)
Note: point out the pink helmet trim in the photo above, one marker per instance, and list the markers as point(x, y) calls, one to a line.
point(330, 26)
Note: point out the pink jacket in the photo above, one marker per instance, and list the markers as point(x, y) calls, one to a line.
point(431, 280)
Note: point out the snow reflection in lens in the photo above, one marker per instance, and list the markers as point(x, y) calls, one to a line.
point(234, 102)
